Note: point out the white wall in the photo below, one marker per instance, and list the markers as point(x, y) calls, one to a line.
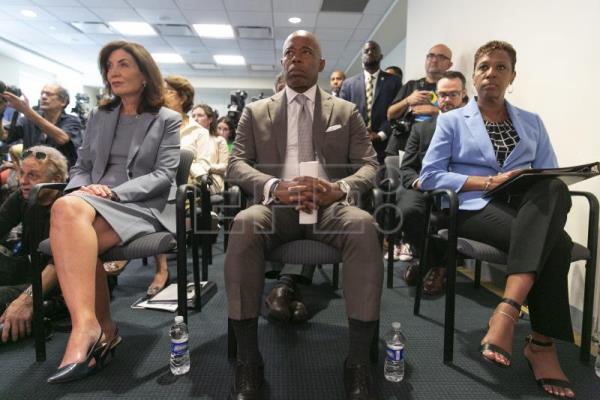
point(397, 57)
point(557, 71)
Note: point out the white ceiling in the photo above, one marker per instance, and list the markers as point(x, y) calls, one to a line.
point(51, 35)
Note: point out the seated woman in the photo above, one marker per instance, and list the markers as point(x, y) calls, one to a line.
point(179, 96)
point(473, 150)
point(226, 128)
point(39, 164)
point(212, 154)
point(122, 187)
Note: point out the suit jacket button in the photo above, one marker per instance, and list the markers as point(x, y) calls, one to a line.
point(130, 174)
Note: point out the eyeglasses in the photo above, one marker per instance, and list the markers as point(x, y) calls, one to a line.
point(48, 94)
point(40, 155)
point(439, 57)
point(452, 95)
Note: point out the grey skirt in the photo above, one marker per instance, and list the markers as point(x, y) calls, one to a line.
point(128, 220)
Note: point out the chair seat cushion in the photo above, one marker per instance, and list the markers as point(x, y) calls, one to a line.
point(305, 252)
point(145, 246)
point(485, 252)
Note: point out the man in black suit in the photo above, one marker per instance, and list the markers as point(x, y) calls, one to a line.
point(373, 91)
point(451, 94)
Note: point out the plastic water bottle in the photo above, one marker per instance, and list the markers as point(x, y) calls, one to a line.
point(393, 369)
point(180, 353)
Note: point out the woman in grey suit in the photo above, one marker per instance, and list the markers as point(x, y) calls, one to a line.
point(120, 188)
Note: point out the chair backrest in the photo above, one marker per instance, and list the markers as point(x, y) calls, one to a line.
point(186, 158)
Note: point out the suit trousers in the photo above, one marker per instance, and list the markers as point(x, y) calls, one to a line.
point(530, 229)
point(259, 228)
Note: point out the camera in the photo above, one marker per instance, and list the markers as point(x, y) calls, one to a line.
point(237, 101)
point(10, 89)
point(82, 107)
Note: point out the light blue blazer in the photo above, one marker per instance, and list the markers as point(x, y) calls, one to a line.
point(152, 160)
point(461, 147)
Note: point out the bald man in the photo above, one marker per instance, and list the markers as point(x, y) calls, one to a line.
point(302, 123)
point(415, 95)
point(335, 81)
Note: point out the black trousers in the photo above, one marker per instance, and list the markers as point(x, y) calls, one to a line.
point(411, 204)
point(530, 229)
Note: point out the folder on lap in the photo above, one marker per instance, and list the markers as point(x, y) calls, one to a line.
point(527, 177)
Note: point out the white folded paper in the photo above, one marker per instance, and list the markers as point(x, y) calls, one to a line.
point(309, 168)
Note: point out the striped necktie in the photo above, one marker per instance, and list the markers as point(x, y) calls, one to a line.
point(305, 140)
point(369, 99)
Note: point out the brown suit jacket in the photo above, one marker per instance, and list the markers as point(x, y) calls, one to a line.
point(261, 139)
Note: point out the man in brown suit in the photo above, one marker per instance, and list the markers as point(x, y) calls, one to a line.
point(271, 142)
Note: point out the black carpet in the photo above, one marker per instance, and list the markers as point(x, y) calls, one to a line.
point(302, 362)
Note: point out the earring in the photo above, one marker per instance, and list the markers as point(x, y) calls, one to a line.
point(144, 84)
point(510, 88)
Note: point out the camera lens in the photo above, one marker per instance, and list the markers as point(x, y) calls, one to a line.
point(2, 87)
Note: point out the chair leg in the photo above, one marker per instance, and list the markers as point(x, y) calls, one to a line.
point(477, 280)
point(390, 262)
point(374, 349)
point(450, 307)
point(588, 310)
point(38, 308)
point(231, 341)
point(335, 280)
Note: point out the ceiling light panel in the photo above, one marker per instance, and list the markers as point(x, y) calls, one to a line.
point(92, 27)
point(133, 28)
point(229, 59)
point(173, 29)
point(167, 58)
point(214, 31)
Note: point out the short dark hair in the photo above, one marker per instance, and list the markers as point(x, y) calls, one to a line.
point(152, 98)
point(455, 75)
point(184, 89)
point(493, 46)
point(397, 70)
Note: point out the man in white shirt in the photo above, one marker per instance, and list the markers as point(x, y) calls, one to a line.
point(302, 123)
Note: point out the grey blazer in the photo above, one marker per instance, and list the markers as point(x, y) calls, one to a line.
point(151, 163)
point(339, 136)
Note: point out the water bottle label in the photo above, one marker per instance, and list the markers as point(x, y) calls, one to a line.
point(395, 353)
point(179, 349)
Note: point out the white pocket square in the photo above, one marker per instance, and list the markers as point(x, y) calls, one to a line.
point(333, 128)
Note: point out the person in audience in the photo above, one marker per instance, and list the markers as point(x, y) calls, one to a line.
point(40, 164)
point(270, 173)
point(415, 95)
point(413, 103)
point(394, 70)
point(205, 116)
point(279, 82)
point(373, 91)
point(9, 175)
point(121, 188)
point(451, 91)
point(335, 81)
point(52, 126)
point(478, 147)
point(226, 128)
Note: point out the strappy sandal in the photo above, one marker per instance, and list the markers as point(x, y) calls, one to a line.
point(548, 381)
point(114, 268)
point(497, 349)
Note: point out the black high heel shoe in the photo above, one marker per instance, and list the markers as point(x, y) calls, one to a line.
point(109, 347)
point(154, 290)
point(75, 371)
point(563, 384)
point(497, 349)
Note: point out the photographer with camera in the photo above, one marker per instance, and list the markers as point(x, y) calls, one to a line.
point(415, 99)
point(51, 126)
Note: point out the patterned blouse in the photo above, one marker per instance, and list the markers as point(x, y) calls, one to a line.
point(504, 138)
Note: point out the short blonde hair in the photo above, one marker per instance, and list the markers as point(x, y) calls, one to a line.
point(55, 163)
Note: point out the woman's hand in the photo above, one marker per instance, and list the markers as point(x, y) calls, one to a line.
point(97, 190)
point(487, 183)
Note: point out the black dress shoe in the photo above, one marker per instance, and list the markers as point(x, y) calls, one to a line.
point(358, 382)
point(247, 382)
point(279, 302)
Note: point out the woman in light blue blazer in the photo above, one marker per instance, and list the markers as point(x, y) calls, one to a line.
point(122, 187)
point(473, 150)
